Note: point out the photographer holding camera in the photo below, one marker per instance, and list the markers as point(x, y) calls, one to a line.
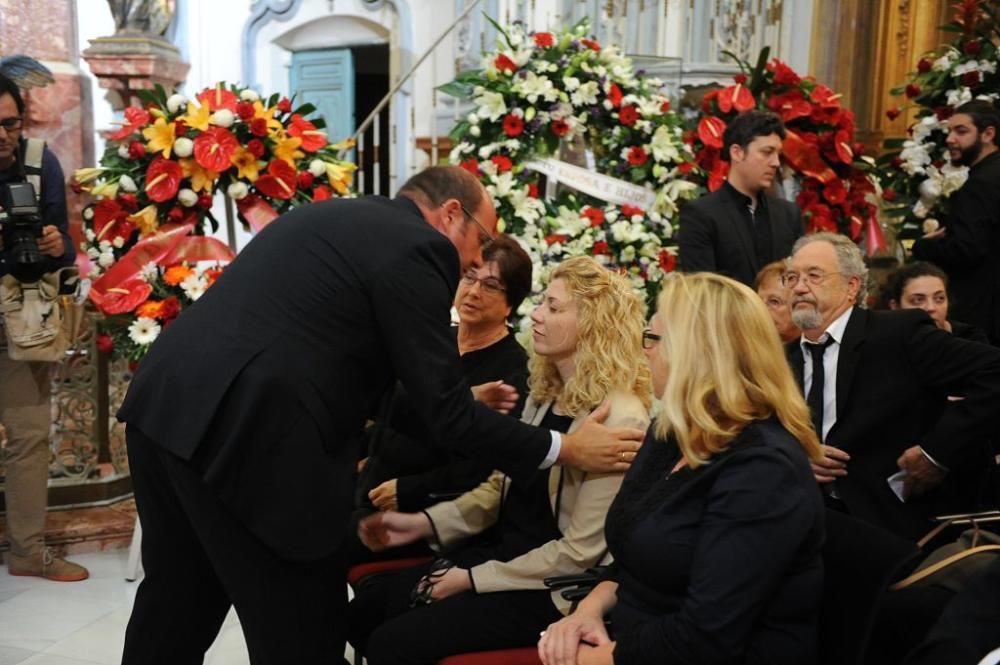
point(34, 240)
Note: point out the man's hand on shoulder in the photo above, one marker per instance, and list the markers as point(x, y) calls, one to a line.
point(597, 448)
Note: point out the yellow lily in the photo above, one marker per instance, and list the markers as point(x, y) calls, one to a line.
point(287, 149)
point(346, 144)
point(246, 164)
point(202, 179)
point(146, 220)
point(197, 116)
point(87, 174)
point(340, 175)
point(160, 136)
point(107, 189)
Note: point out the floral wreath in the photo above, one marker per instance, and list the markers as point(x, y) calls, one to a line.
point(827, 166)
point(917, 176)
point(539, 92)
point(155, 185)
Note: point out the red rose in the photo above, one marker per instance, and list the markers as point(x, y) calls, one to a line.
point(924, 65)
point(170, 308)
point(553, 238)
point(175, 214)
point(105, 344)
point(533, 190)
point(912, 90)
point(741, 79)
point(668, 262)
point(943, 112)
point(180, 127)
point(244, 110)
point(471, 165)
point(285, 105)
point(970, 79)
point(636, 156)
point(614, 95)
point(685, 168)
point(322, 193)
point(783, 74)
point(665, 106)
point(859, 149)
point(305, 179)
point(896, 162)
point(205, 200)
point(76, 187)
point(601, 247)
point(559, 127)
point(513, 125)
point(591, 44)
point(889, 194)
point(632, 211)
point(502, 163)
point(129, 201)
point(504, 64)
point(595, 215)
point(544, 39)
point(136, 150)
point(628, 116)
point(973, 47)
point(258, 127)
point(256, 148)
point(893, 113)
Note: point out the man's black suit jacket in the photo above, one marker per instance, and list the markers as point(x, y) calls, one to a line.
point(264, 384)
point(894, 375)
point(715, 236)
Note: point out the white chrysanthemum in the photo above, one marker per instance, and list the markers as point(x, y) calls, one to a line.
point(194, 286)
point(491, 105)
point(144, 331)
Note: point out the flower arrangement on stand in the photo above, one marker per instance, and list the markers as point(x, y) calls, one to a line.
point(916, 175)
point(145, 232)
point(820, 157)
point(540, 95)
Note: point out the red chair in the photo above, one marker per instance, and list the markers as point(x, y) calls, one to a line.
point(525, 656)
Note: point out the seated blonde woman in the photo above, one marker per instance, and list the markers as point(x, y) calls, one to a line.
point(587, 337)
point(716, 531)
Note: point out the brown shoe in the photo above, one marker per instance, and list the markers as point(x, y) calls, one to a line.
point(46, 565)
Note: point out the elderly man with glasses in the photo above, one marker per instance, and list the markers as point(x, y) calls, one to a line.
point(897, 450)
point(25, 389)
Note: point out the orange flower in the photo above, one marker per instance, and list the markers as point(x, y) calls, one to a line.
point(174, 275)
point(151, 309)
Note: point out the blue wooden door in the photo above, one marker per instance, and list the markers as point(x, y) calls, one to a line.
point(325, 79)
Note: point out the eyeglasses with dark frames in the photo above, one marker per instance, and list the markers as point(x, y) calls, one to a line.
point(650, 339)
point(11, 124)
point(489, 285)
point(790, 279)
point(486, 238)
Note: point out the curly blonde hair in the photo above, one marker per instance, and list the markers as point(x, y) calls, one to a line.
point(609, 357)
point(725, 367)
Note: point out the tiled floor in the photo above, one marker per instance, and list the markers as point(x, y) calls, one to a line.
point(83, 623)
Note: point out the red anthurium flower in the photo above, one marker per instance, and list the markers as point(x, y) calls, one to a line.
point(305, 180)
point(783, 74)
point(124, 297)
point(595, 215)
point(790, 105)
point(893, 113)
point(856, 226)
point(632, 211)
point(322, 193)
point(544, 39)
point(312, 139)
point(825, 97)
point(163, 179)
point(218, 98)
point(279, 182)
point(842, 144)
point(513, 125)
point(470, 165)
point(135, 118)
point(615, 95)
point(710, 131)
point(706, 101)
point(502, 163)
point(111, 221)
point(637, 156)
point(717, 176)
point(736, 97)
point(628, 116)
point(559, 127)
point(835, 192)
point(504, 64)
point(214, 148)
point(820, 219)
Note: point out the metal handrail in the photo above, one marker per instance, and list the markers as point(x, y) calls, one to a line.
point(367, 122)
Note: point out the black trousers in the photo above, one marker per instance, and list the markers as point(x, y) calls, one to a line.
point(199, 560)
point(389, 633)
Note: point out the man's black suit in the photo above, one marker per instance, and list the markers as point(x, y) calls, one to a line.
point(894, 375)
point(253, 400)
point(968, 252)
point(716, 233)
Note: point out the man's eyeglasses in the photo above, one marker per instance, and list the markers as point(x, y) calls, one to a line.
point(485, 237)
point(650, 339)
point(11, 123)
point(490, 285)
point(791, 279)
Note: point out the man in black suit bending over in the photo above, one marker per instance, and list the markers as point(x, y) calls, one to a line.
point(739, 228)
point(878, 386)
point(244, 416)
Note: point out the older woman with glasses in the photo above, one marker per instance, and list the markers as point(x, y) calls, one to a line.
point(716, 531)
point(407, 469)
point(587, 350)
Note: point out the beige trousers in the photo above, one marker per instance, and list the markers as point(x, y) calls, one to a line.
point(26, 413)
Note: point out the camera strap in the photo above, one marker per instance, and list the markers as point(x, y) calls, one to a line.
point(32, 163)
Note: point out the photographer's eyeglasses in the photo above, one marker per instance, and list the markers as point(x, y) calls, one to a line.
point(489, 285)
point(10, 124)
point(650, 339)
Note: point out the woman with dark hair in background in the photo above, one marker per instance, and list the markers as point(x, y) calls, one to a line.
point(922, 285)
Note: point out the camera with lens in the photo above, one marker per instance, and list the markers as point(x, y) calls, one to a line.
point(21, 222)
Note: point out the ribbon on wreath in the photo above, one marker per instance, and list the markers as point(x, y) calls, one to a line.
point(122, 288)
point(805, 158)
point(600, 186)
point(258, 212)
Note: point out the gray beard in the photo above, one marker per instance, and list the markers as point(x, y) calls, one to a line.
point(807, 319)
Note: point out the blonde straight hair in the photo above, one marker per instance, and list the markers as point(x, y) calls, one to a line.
point(608, 358)
point(725, 367)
